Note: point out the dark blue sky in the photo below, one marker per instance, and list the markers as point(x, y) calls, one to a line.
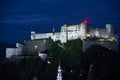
point(19, 17)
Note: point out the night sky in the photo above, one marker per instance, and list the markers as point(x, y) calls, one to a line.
point(19, 17)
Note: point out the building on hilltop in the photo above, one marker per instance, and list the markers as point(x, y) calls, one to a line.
point(37, 47)
point(14, 51)
point(34, 47)
point(111, 45)
point(40, 43)
point(70, 32)
point(107, 37)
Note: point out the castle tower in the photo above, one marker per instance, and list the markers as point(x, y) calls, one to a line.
point(83, 31)
point(78, 27)
point(97, 33)
point(109, 30)
point(53, 34)
point(53, 30)
point(64, 34)
point(32, 35)
point(59, 74)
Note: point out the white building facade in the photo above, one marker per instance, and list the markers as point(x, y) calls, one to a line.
point(14, 51)
point(71, 32)
point(68, 32)
point(11, 52)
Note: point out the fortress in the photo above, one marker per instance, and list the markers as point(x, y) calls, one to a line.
point(82, 31)
point(40, 43)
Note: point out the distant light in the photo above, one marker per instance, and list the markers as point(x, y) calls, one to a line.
point(101, 39)
point(87, 35)
point(35, 78)
point(49, 62)
point(85, 21)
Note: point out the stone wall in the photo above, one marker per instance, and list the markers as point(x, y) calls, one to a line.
point(11, 51)
point(36, 46)
point(108, 44)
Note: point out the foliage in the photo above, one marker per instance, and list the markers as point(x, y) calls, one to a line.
point(26, 69)
point(105, 63)
point(96, 63)
point(69, 56)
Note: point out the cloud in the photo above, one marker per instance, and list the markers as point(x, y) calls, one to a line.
point(24, 19)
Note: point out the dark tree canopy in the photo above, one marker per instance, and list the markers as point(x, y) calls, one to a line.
point(96, 63)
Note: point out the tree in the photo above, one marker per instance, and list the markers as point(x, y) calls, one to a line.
point(100, 63)
point(69, 54)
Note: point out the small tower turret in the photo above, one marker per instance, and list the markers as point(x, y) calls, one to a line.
point(32, 35)
point(83, 31)
point(53, 30)
point(109, 28)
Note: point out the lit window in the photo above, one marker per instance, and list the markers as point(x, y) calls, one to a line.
point(87, 35)
point(35, 47)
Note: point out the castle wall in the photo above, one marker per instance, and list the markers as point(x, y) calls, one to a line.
point(11, 51)
point(108, 44)
point(43, 35)
point(56, 36)
point(63, 34)
point(72, 35)
point(70, 32)
point(36, 46)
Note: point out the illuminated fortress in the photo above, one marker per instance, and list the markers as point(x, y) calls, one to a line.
point(82, 31)
point(107, 37)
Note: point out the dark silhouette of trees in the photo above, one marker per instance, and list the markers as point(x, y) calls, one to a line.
point(100, 63)
point(26, 69)
point(96, 63)
point(69, 56)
